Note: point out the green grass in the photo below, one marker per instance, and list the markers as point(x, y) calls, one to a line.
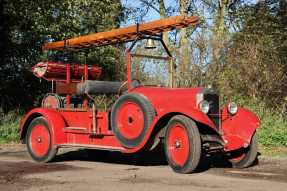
point(272, 132)
point(9, 128)
point(273, 151)
point(273, 129)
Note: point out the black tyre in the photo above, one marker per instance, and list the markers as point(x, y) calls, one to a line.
point(245, 157)
point(131, 117)
point(39, 141)
point(182, 144)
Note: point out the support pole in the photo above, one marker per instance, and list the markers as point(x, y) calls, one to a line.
point(68, 81)
point(128, 64)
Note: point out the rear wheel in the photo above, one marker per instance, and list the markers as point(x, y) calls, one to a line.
point(39, 142)
point(245, 157)
point(182, 144)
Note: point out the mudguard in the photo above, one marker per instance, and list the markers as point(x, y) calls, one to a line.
point(238, 129)
point(192, 113)
point(55, 120)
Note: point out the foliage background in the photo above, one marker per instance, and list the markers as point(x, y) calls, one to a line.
point(25, 25)
point(240, 49)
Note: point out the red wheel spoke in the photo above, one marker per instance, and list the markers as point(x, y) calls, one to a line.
point(178, 144)
point(130, 120)
point(40, 140)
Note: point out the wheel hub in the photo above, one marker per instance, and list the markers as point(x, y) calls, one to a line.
point(39, 139)
point(177, 144)
point(130, 120)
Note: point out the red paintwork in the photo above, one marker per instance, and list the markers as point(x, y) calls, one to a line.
point(178, 144)
point(163, 104)
point(40, 140)
point(130, 119)
point(59, 71)
point(175, 100)
point(172, 100)
point(87, 128)
point(68, 80)
point(64, 127)
point(238, 129)
point(128, 63)
point(55, 120)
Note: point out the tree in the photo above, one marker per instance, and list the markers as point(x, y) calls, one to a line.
point(25, 26)
point(254, 64)
point(222, 13)
point(182, 47)
point(184, 42)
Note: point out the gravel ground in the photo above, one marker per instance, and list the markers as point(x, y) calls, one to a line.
point(76, 169)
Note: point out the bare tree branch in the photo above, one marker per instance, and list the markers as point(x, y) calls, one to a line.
point(150, 4)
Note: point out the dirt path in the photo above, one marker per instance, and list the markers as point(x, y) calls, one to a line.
point(90, 170)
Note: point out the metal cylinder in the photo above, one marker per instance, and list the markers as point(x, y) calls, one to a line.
point(58, 71)
point(98, 87)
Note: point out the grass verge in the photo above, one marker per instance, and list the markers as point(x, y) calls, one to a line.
point(9, 128)
point(273, 130)
point(273, 151)
point(272, 133)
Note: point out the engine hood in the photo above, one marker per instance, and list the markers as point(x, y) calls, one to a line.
point(163, 98)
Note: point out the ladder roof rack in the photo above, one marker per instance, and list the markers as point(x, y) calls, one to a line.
point(122, 35)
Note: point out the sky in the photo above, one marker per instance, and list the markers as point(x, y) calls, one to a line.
point(152, 14)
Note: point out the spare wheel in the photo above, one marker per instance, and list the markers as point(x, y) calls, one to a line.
point(131, 117)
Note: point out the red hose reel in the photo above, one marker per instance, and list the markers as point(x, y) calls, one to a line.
point(58, 71)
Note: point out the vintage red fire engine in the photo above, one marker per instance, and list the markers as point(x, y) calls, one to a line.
point(188, 121)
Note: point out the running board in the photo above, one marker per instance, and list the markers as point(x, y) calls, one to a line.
point(83, 130)
point(98, 147)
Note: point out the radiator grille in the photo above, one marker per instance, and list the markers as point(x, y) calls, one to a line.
point(214, 110)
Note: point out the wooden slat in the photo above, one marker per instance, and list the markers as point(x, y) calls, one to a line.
point(123, 34)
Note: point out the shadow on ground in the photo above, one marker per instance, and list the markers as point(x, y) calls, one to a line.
point(268, 168)
point(12, 174)
point(137, 159)
point(155, 158)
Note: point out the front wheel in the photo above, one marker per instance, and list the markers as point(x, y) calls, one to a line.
point(39, 141)
point(245, 157)
point(182, 144)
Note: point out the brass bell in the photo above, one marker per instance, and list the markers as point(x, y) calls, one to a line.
point(150, 44)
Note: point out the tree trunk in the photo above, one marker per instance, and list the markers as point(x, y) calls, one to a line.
point(184, 45)
point(219, 19)
point(283, 11)
point(162, 12)
point(219, 31)
point(219, 36)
